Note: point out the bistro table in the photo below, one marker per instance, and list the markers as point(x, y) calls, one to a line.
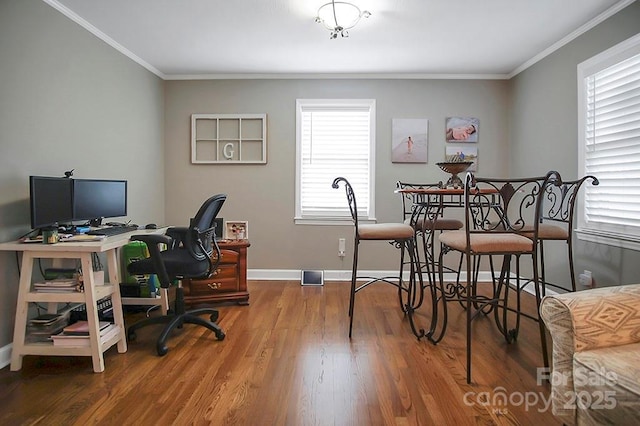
point(429, 204)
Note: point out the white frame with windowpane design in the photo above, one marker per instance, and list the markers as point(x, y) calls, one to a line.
point(334, 137)
point(609, 145)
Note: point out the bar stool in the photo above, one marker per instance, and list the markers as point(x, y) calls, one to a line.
point(497, 211)
point(399, 234)
point(556, 222)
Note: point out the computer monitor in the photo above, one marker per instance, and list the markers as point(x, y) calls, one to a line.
point(51, 201)
point(94, 199)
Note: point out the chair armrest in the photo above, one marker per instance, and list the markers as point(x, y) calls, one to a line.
point(585, 320)
point(597, 318)
point(153, 242)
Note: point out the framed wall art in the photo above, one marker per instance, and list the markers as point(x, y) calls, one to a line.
point(462, 129)
point(464, 153)
point(228, 138)
point(409, 140)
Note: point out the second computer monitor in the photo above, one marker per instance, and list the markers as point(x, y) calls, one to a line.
point(94, 199)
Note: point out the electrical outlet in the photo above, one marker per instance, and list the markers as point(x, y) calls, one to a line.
point(341, 247)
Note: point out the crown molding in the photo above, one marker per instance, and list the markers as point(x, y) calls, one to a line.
point(102, 36)
point(572, 36)
point(324, 76)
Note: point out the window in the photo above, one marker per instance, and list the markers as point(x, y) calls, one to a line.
point(334, 137)
point(609, 148)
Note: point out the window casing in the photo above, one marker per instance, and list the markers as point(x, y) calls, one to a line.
point(609, 145)
point(334, 137)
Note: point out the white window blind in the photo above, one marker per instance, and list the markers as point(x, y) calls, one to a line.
point(610, 135)
point(334, 138)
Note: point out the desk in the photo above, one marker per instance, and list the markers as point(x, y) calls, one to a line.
point(93, 291)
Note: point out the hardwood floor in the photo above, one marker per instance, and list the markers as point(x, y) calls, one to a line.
point(287, 360)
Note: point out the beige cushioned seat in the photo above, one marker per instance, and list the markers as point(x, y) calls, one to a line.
point(489, 242)
point(441, 224)
point(547, 231)
point(385, 231)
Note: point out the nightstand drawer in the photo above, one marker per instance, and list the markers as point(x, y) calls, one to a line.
point(212, 285)
point(224, 271)
point(227, 256)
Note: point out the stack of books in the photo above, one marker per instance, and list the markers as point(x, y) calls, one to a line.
point(42, 327)
point(77, 334)
point(57, 286)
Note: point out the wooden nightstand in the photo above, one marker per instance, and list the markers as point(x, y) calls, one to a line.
point(228, 283)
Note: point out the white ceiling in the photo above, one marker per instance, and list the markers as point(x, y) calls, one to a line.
point(231, 38)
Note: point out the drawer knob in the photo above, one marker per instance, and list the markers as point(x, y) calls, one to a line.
point(213, 286)
point(216, 272)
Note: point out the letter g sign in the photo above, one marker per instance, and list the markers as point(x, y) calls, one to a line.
point(228, 151)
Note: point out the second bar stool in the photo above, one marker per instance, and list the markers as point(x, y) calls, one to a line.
point(398, 233)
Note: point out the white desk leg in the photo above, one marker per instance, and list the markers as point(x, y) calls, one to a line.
point(92, 312)
point(22, 311)
point(116, 300)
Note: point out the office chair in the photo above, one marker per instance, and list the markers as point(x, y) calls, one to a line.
point(188, 255)
point(400, 234)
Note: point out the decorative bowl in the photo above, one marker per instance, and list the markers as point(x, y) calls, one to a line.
point(454, 167)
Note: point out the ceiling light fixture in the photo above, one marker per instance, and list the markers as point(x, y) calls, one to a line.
point(340, 16)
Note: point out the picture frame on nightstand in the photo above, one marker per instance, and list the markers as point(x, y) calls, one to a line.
point(236, 230)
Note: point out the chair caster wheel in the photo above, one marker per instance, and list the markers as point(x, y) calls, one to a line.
point(214, 317)
point(162, 350)
point(220, 335)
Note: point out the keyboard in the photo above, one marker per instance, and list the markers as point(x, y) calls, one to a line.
point(113, 230)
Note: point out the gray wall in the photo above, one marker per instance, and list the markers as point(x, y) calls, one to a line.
point(544, 131)
point(69, 101)
point(264, 194)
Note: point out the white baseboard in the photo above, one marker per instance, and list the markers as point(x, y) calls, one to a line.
point(5, 355)
point(337, 275)
point(345, 275)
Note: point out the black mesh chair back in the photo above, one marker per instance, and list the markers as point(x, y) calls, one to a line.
point(199, 240)
point(189, 249)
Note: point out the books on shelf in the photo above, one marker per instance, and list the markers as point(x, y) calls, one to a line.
point(81, 328)
point(106, 333)
point(57, 286)
point(45, 319)
point(42, 327)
